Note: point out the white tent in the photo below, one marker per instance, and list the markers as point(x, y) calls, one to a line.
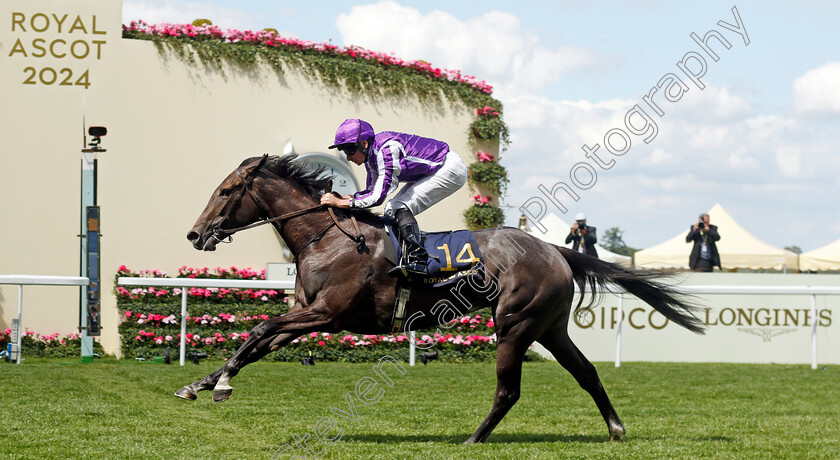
point(824, 258)
point(556, 233)
point(737, 247)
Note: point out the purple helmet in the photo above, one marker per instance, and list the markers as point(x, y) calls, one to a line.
point(352, 131)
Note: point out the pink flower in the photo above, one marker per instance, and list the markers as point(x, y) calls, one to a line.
point(482, 156)
point(482, 200)
point(321, 343)
point(270, 39)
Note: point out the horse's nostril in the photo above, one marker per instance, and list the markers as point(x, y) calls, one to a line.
point(192, 236)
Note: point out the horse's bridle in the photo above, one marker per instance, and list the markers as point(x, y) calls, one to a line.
point(219, 234)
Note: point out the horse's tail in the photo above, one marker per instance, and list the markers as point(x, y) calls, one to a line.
point(662, 297)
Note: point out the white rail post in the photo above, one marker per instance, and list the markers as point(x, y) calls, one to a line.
point(814, 331)
point(618, 330)
point(411, 348)
point(20, 324)
point(183, 325)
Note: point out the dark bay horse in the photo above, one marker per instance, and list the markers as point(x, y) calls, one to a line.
point(344, 284)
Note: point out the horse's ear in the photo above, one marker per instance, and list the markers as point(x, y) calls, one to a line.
point(328, 187)
point(262, 162)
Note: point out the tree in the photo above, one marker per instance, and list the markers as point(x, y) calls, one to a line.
point(613, 240)
point(794, 248)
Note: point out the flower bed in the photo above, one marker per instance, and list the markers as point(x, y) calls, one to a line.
point(49, 346)
point(219, 321)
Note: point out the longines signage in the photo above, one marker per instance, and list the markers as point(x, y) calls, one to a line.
point(647, 318)
point(54, 48)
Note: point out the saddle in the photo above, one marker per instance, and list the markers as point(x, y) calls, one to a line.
point(452, 256)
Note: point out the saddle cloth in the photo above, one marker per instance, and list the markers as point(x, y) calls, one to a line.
point(453, 255)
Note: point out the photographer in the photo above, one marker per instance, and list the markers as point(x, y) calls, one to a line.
point(584, 237)
point(704, 255)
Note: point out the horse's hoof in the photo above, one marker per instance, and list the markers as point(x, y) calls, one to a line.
point(616, 433)
point(186, 393)
point(222, 395)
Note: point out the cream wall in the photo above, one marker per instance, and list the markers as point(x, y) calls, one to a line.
point(174, 132)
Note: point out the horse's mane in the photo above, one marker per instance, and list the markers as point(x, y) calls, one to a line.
point(313, 179)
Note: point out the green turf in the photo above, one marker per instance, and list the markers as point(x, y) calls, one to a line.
point(50, 409)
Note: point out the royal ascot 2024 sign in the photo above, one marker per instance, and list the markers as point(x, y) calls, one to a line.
point(44, 37)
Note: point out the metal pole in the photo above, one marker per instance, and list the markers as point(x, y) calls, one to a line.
point(87, 199)
point(411, 348)
point(814, 331)
point(618, 330)
point(183, 325)
point(20, 323)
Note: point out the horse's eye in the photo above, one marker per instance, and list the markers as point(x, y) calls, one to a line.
point(225, 192)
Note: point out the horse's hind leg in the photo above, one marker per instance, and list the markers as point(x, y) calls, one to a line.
point(508, 379)
point(557, 341)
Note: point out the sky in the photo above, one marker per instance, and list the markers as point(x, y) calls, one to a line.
point(756, 130)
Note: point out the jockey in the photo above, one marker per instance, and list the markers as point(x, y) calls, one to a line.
point(430, 170)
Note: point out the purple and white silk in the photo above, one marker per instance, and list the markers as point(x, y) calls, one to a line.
point(430, 169)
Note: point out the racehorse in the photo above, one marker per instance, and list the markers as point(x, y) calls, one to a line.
point(343, 283)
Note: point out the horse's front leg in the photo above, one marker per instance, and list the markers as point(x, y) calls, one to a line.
point(264, 338)
point(209, 382)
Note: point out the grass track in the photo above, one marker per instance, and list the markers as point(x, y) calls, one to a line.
point(111, 409)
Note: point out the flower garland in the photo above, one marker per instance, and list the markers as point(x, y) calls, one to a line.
point(482, 214)
point(270, 38)
point(487, 172)
point(357, 70)
point(489, 126)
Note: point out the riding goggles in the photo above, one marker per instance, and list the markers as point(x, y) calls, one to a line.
point(348, 149)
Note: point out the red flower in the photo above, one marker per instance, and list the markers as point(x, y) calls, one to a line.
point(321, 343)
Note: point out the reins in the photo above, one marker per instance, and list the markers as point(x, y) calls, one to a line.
point(217, 232)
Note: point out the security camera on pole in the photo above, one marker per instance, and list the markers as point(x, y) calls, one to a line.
point(89, 314)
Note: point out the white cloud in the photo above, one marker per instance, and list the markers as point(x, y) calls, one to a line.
point(741, 159)
point(817, 93)
point(182, 12)
point(714, 104)
point(494, 46)
point(789, 160)
point(660, 156)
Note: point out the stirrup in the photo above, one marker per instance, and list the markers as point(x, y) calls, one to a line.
point(409, 270)
point(411, 263)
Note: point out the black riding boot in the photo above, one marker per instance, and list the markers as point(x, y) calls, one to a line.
point(415, 258)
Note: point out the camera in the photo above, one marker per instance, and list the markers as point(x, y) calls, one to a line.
point(701, 224)
point(581, 225)
point(196, 356)
point(430, 356)
point(96, 132)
